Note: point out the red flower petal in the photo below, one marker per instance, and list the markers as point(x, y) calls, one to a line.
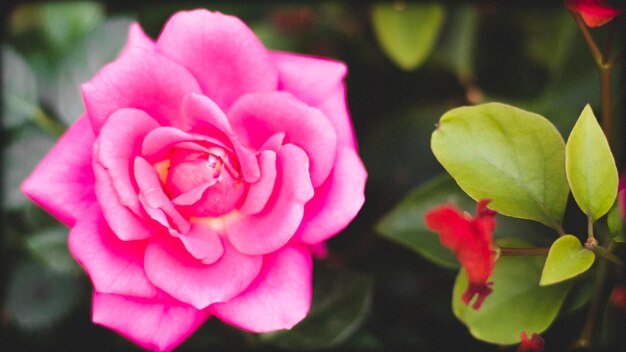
point(534, 344)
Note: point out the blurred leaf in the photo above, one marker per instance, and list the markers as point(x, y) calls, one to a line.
point(19, 89)
point(66, 22)
point(615, 223)
point(341, 302)
point(405, 223)
point(99, 47)
point(38, 298)
point(567, 259)
point(517, 302)
point(458, 40)
point(614, 320)
point(407, 32)
point(578, 297)
point(513, 157)
point(591, 170)
point(19, 159)
point(549, 37)
point(50, 247)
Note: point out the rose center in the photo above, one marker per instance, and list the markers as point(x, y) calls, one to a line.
point(203, 183)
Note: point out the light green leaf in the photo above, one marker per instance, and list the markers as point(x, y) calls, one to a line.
point(407, 32)
point(19, 89)
point(513, 157)
point(38, 298)
point(516, 304)
point(591, 170)
point(458, 42)
point(341, 301)
point(99, 47)
point(566, 259)
point(66, 22)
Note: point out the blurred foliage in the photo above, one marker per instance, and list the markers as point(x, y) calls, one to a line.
point(372, 293)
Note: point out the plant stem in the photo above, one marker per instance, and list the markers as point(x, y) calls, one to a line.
point(590, 227)
point(505, 251)
point(48, 123)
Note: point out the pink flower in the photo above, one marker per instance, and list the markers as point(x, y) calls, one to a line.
point(594, 12)
point(471, 240)
point(204, 174)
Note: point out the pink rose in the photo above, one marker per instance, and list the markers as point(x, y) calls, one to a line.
point(202, 177)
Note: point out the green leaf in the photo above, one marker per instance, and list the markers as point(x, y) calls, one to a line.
point(591, 170)
point(99, 47)
point(516, 304)
point(50, 247)
point(407, 32)
point(615, 222)
point(19, 160)
point(513, 157)
point(341, 301)
point(458, 41)
point(19, 89)
point(38, 298)
point(567, 259)
point(66, 22)
point(405, 223)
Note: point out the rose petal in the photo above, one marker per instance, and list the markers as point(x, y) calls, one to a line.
point(158, 143)
point(336, 110)
point(272, 228)
point(311, 79)
point(124, 223)
point(172, 269)
point(258, 117)
point(221, 52)
point(154, 200)
point(119, 142)
point(63, 182)
point(137, 38)
point(157, 324)
point(259, 193)
point(279, 298)
point(337, 201)
point(203, 243)
point(114, 266)
point(140, 79)
point(205, 116)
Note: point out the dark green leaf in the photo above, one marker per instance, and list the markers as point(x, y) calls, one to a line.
point(50, 247)
point(38, 298)
point(66, 22)
point(19, 89)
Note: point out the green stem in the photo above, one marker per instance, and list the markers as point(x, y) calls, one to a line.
point(48, 123)
point(505, 251)
point(590, 228)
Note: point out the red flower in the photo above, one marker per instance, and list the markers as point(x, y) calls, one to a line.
point(534, 344)
point(471, 240)
point(594, 12)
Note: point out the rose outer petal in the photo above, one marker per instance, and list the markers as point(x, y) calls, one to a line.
point(140, 79)
point(300, 75)
point(258, 117)
point(221, 52)
point(63, 182)
point(137, 38)
point(114, 266)
point(157, 324)
point(278, 299)
point(172, 269)
point(273, 227)
point(337, 201)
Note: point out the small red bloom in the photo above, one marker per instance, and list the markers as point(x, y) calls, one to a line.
point(471, 240)
point(594, 12)
point(534, 344)
point(618, 297)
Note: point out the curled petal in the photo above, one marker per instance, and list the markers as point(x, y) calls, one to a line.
point(259, 193)
point(114, 266)
point(273, 227)
point(336, 201)
point(63, 182)
point(278, 299)
point(203, 243)
point(158, 143)
point(156, 324)
point(258, 117)
point(140, 79)
point(221, 51)
point(172, 269)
